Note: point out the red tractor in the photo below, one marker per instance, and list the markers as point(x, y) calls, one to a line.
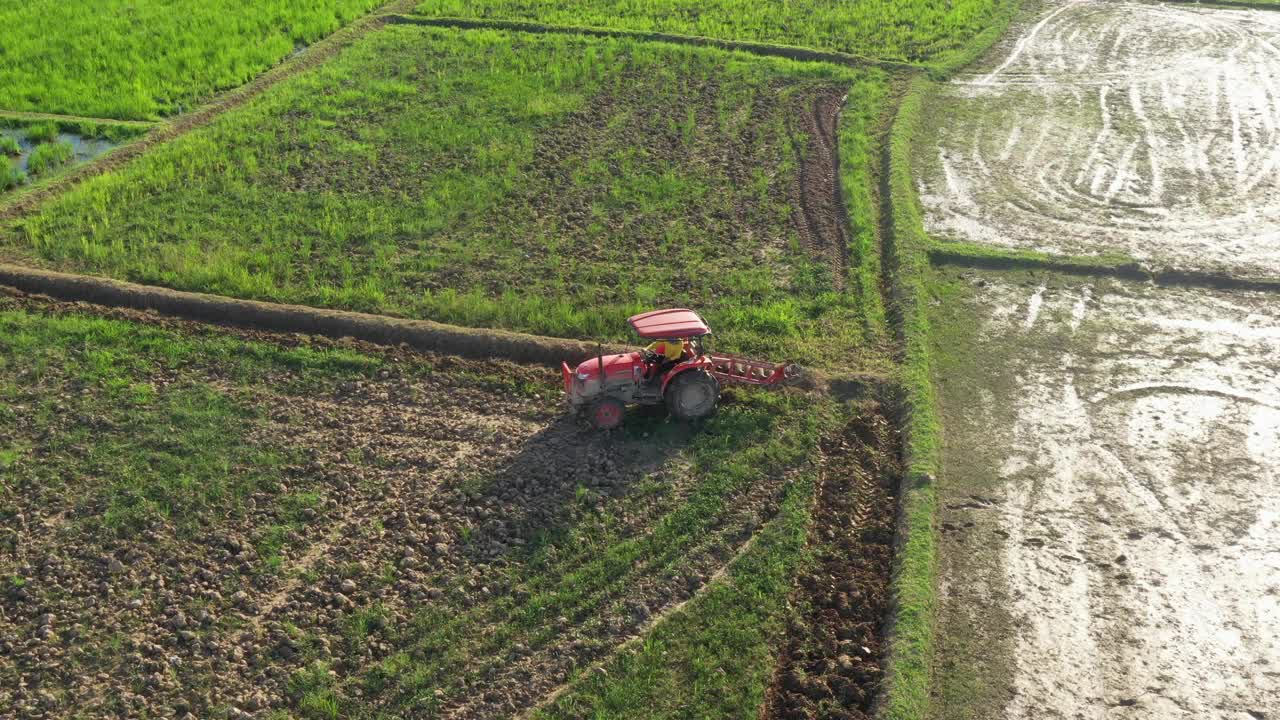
point(690, 386)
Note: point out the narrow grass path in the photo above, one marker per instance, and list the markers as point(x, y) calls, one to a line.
point(74, 119)
point(763, 49)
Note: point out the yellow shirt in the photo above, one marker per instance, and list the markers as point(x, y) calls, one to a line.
point(671, 349)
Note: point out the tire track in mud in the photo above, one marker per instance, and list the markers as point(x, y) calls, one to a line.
point(1118, 538)
point(831, 664)
point(822, 221)
point(1150, 130)
point(166, 131)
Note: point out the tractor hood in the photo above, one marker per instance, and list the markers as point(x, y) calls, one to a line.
point(615, 366)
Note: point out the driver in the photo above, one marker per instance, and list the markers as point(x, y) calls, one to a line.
point(663, 355)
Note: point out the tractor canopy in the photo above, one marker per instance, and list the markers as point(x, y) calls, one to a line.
point(672, 323)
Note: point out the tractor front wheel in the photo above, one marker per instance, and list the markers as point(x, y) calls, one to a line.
point(606, 413)
point(692, 395)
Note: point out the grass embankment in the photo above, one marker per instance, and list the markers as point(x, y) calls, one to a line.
point(47, 129)
point(908, 676)
point(548, 184)
point(904, 30)
point(141, 59)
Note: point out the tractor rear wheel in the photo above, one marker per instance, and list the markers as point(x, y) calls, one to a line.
point(606, 413)
point(692, 395)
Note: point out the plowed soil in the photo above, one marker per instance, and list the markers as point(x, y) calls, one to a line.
point(442, 499)
point(821, 220)
point(830, 666)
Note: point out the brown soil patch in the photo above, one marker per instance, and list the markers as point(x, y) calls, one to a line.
point(822, 223)
point(830, 667)
point(174, 624)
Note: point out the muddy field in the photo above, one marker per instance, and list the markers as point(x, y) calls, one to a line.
point(1116, 127)
point(1111, 505)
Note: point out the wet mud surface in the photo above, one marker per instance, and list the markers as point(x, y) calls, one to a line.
point(830, 666)
point(1111, 505)
point(1116, 127)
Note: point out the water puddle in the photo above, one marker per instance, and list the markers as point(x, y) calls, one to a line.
point(83, 149)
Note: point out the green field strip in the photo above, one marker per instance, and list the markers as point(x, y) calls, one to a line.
point(145, 59)
point(908, 674)
point(18, 202)
point(18, 116)
point(981, 257)
point(790, 52)
point(920, 31)
point(991, 257)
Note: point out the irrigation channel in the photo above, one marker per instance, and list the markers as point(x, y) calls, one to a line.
point(1111, 511)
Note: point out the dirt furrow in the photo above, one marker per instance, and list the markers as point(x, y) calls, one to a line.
point(820, 218)
point(830, 665)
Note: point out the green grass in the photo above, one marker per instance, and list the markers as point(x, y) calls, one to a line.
point(141, 59)
point(48, 129)
point(11, 175)
point(9, 146)
point(49, 156)
point(906, 30)
point(42, 132)
point(85, 423)
point(536, 183)
point(714, 658)
point(909, 671)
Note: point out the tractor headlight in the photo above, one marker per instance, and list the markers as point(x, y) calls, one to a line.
point(582, 376)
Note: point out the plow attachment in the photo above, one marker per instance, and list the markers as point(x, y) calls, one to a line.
point(745, 371)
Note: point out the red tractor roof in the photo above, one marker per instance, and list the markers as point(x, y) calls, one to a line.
point(673, 323)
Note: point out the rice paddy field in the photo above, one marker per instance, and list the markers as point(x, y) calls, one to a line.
point(550, 184)
point(143, 59)
point(905, 30)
